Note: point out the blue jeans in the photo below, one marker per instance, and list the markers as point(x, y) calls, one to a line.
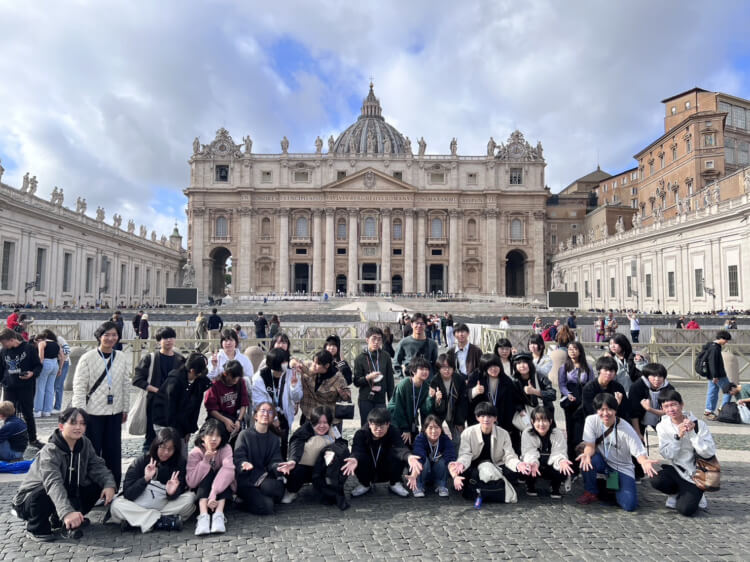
point(436, 471)
point(45, 386)
point(712, 395)
point(60, 386)
point(8, 454)
point(627, 495)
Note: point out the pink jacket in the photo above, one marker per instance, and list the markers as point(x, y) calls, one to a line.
point(198, 469)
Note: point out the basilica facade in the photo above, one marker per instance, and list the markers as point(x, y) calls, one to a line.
point(369, 215)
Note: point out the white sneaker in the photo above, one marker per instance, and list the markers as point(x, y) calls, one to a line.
point(289, 497)
point(37, 414)
point(360, 490)
point(217, 524)
point(399, 490)
point(55, 411)
point(203, 525)
point(703, 504)
point(418, 493)
point(45, 414)
point(671, 502)
point(442, 491)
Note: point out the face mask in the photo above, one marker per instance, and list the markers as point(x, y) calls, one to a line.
point(284, 366)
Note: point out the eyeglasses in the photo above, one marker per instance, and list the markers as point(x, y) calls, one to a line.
point(374, 425)
point(266, 412)
point(166, 447)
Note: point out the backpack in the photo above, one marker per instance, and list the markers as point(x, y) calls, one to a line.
point(701, 362)
point(730, 413)
point(546, 333)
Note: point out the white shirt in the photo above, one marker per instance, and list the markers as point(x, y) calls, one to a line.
point(461, 358)
point(618, 446)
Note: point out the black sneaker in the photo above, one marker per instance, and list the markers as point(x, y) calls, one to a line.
point(71, 533)
point(169, 523)
point(555, 494)
point(41, 538)
point(531, 491)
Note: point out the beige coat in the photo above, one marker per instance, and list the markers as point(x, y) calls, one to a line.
point(530, 444)
point(502, 450)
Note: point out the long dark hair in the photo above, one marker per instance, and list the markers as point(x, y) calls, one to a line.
point(624, 343)
point(212, 425)
point(569, 366)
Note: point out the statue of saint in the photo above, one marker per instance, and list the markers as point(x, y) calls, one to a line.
point(116, 220)
point(25, 184)
point(491, 146)
point(131, 226)
point(143, 231)
point(248, 144)
point(99, 214)
point(407, 146)
point(53, 197)
point(454, 146)
point(284, 145)
point(188, 275)
point(318, 145)
point(33, 185)
point(422, 146)
point(196, 145)
point(331, 143)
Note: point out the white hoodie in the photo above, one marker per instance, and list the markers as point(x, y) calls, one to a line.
point(682, 452)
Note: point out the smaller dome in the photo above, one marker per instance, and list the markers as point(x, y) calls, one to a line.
point(370, 132)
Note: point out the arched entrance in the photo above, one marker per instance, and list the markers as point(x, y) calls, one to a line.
point(220, 272)
point(436, 281)
point(341, 284)
point(397, 285)
point(515, 274)
point(369, 278)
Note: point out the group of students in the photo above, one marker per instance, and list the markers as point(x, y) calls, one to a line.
point(484, 434)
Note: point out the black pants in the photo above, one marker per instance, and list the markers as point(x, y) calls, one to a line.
point(204, 488)
point(37, 509)
point(260, 499)
point(546, 473)
point(388, 469)
point(284, 436)
point(364, 409)
point(150, 432)
point(670, 482)
point(22, 397)
point(298, 477)
point(574, 430)
point(634, 334)
point(104, 434)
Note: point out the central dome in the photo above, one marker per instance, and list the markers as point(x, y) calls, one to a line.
point(370, 125)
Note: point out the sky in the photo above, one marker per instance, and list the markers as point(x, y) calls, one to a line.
point(103, 99)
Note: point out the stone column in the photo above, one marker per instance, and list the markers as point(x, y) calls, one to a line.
point(385, 252)
point(244, 272)
point(538, 244)
point(491, 218)
point(317, 284)
point(283, 284)
point(421, 283)
point(197, 252)
point(330, 280)
point(454, 256)
point(409, 251)
point(352, 277)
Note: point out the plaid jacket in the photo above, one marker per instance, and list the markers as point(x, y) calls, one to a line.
point(328, 393)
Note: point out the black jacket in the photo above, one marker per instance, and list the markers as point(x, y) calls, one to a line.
point(638, 391)
point(458, 397)
point(363, 366)
point(141, 378)
point(505, 401)
point(715, 361)
point(178, 403)
point(135, 483)
point(393, 445)
point(17, 361)
point(300, 437)
point(593, 388)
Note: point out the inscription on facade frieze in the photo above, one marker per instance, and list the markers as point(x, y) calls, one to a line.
point(299, 197)
point(366, 197)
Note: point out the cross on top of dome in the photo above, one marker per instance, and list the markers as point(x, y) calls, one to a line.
point(371, 105)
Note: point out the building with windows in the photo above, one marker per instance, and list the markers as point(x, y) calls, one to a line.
point(367, 216)
point(56, 256)
point(668, 234)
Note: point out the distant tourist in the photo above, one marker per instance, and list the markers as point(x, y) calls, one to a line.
point(717, 374)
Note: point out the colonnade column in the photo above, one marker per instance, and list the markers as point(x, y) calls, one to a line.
point(283, 250)
point(244, 273)
point(352, 277)
point(409, 251)
point(454, 254)
point(196, 257)
point(385, 252)
point(317, 284)
point(492, 287)
point(421, 284)
point(329, 282)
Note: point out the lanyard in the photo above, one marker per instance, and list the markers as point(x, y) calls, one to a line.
point(374, 456)
point(434, 450)
point(376, 363)
point(107, 365)
point(415, 398)
point(607, 441)
point(277, 389)
point(497, 388)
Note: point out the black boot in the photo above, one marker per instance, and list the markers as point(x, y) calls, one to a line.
point(169, 523)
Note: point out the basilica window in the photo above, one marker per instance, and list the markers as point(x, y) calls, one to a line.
point(302, 176)
point(436, 228)
point(743, 153)
point(340, 174)
point(222, 173)
point(301, 227)
point(265, 275)
point(8, 267)
point(437, 177)
point(398, 233)
point(516, 176)
point(471, 179)
point(471, 229)
point(708, 140)
point(674, 153)
point(221, 227)
point(729, 145)
point(516, 229)
point(370, 230)
point(265, 227)
point(398, 175)
point(265, 176)
point(341, 230)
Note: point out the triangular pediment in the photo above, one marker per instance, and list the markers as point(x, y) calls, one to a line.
point(370, 179)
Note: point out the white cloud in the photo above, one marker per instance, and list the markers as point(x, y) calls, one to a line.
point(105, 98)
